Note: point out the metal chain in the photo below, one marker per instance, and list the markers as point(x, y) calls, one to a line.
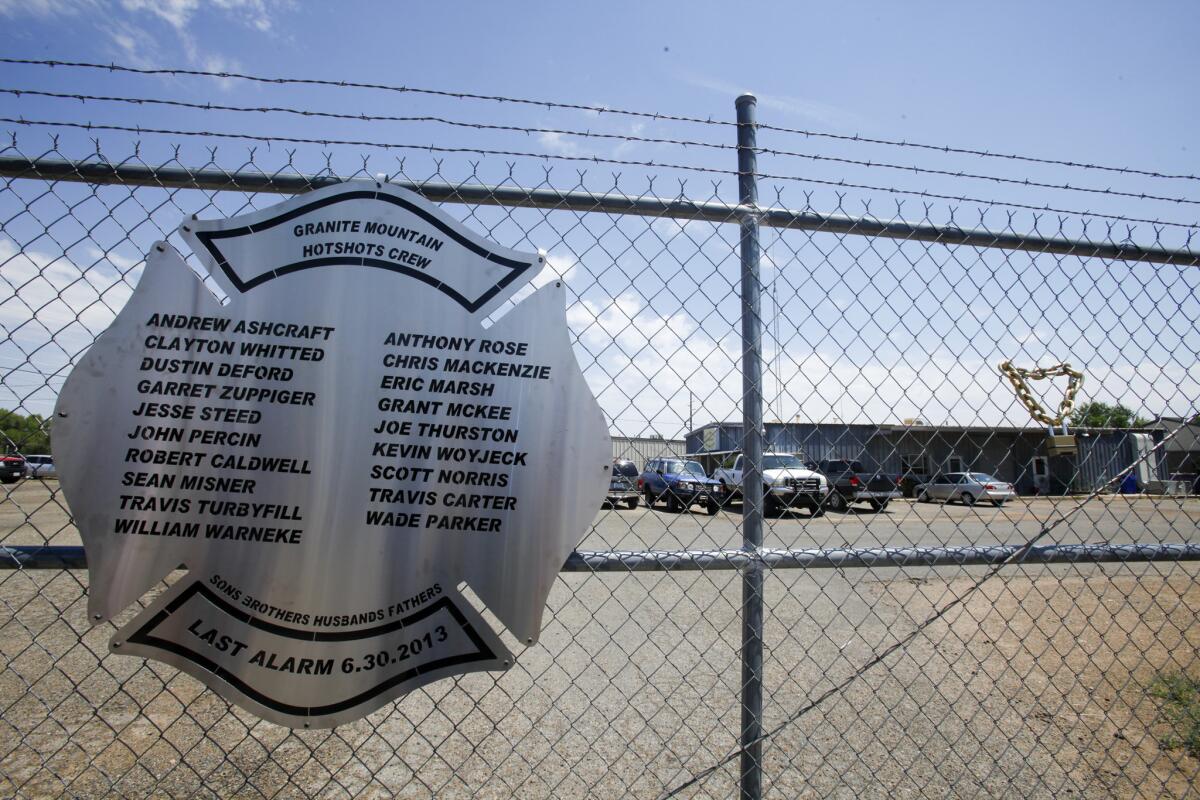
point(1019, 379)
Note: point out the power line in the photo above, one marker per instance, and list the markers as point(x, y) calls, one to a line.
point(551, 104)
point(685, 143)
point(841, 184)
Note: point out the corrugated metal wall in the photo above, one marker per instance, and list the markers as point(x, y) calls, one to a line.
point(640, 450)
point(1005, 454)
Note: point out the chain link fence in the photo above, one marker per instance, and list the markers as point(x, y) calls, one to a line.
point(918, 645)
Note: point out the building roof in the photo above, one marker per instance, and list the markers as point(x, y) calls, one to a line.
point(1162, 424)
point(1185, 436)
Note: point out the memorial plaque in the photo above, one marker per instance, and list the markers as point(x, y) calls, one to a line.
point(330, 455)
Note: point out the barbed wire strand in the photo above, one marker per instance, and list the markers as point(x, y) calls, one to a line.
point(595, 109)
point(908, 638)
point(629, 138)
point(842, 184)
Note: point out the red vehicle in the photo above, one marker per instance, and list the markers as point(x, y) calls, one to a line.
point(12, 468)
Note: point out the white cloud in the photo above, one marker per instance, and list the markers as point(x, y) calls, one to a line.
point(175, 13)
point(624, 148)
point(823, 113)
point(559, 144)
point(46, 8)
point(51, 310)
point(132, 28)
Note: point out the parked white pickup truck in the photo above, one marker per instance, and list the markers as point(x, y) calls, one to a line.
point(787, 483)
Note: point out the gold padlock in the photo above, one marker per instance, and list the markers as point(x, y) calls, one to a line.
point(1061, 445)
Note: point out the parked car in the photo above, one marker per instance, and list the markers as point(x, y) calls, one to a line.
point(40, 467)
point(850, 483)
point(622, 484)
point(681, 483)
point(966, 487)
point(787, 483)
point(12, 468)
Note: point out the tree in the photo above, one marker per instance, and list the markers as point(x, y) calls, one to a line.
point(1102, 415)
point(25, 435)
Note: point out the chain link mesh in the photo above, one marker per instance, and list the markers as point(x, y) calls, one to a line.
point(883, 677)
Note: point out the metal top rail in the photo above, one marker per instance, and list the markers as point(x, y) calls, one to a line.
point(73, 557)
point(611, 203)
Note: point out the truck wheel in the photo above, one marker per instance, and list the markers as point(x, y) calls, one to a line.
point(673, 503)
point(838, 503)
point(649, 498)
point(878, 505)
point(712, 506)
point(816, 510)
point(632, 502)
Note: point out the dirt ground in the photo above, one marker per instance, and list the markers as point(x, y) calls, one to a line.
point(1034, 686)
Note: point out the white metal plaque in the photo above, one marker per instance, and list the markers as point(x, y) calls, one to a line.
point(331, 454)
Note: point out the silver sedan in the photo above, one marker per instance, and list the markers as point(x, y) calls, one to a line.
point(967, 488)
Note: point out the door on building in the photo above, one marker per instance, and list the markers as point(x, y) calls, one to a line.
point(1147, 459)
point(1041, 474)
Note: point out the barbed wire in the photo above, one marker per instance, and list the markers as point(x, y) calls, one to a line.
point(596, 109)
point(594, 159)
point(629, 138)
point(901, 643)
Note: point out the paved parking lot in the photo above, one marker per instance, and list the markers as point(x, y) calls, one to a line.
point(34, 512)
point(903, 523)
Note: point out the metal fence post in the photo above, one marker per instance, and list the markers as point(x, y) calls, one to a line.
point(752, 488)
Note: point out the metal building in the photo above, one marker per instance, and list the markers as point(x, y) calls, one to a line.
point(1016, 455)
point(640, 449)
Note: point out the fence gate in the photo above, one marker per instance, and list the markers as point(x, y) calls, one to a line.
point(1041, 647)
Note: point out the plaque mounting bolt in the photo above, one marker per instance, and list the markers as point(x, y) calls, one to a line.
point(116, 644)
point(160, 248)
point(97, 616)
point(528, 640)
point(507, 663)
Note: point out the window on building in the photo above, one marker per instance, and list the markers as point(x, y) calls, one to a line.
point(913, 464)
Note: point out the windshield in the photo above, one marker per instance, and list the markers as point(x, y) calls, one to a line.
point(684, 468)
point(782, 462)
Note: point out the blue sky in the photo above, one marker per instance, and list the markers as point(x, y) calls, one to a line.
point(1101, 83)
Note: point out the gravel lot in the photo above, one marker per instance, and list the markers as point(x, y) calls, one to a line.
point(1034, 686)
